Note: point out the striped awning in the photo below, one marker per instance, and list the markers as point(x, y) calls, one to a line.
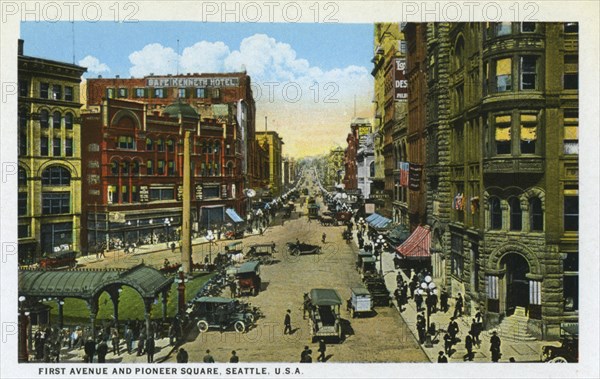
point(378, 221)
point(417, 245)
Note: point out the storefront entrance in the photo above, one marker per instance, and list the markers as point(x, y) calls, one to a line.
point(516, 283)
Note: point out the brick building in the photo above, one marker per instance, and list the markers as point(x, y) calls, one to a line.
point(133, 170)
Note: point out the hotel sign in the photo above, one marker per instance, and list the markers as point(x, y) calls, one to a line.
point(193, 82)
point(400, 81)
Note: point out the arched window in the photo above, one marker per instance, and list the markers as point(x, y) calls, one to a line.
point(114, 168)
point(135, 167)
point(56, 176)
point(56, 120)
point(459, 49)
point(217, 148)
point(516, 215)
point(44, 116)
point(536, 215)
point(170, 146)
point(372, 169)
point(22, 179)
point(495, 214)
point(125, 168)
point(69, 121)
point(149, 144)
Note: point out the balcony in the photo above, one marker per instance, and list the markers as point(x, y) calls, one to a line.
point(513, 165)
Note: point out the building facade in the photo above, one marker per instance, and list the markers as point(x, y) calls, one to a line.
point(502, 168)
point(133, 182)
point(49, 132)
point(275, 146)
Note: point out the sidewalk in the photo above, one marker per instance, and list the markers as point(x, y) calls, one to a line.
point(520, 351)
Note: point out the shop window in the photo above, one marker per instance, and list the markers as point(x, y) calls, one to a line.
point(56, 202)
point(503, 135)
point(504, 75)
point(44, 117)
point(495, 214)
point(210, 192)
point(536, 215)
point(571, 213)
point(22, 204)
point(56, 120)
point(69, 147)
point(516, 215)
point(56, 147)
point(571, 131)
point(69, 93)
point(528, 72)
point(44, 90)
point(69, 121)
point(162, 194)
point(528, 133)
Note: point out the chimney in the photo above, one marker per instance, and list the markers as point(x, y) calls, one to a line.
point(21, 42)
point(117, 76)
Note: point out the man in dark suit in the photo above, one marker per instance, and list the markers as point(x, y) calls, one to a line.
point(150, 347)
point(90, 350)
point(234, 358)
point(287, 323)
point(102, 350)
point(442, 358)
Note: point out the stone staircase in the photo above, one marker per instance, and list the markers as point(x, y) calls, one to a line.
point(514, 328)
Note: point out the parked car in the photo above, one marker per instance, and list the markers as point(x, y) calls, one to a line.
point(360, 301)
point(59, 259)
point(379, 292)
point(567, 351)
point(248, 279)
point(221, 313)
point(303, 248)
point(325, 313)
point(262, 252)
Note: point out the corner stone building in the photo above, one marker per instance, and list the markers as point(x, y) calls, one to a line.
point(502, 171)
point(49, 184)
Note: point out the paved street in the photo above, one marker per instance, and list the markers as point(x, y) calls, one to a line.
point(283, 286)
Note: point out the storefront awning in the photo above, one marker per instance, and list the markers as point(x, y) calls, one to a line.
point(417, 245)
point(378, 221)
point(233, 215)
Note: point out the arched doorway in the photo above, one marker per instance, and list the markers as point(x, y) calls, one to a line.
point(516, 283)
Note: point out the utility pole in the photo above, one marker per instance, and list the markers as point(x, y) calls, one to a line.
point(186, 236)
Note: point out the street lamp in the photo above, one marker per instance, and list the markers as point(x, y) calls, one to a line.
point(23, 323)
point(428, 287)
point(210, 237)
point(180, 292)
point(379, 251)
point(167, 227)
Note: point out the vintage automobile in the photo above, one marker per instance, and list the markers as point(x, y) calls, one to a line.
point(303, 248)
point(327, 221)
point(567, 351)
point(325, 314)
point(368, 266)
point(379, 292)
point(59, 259)
point(360, 301)
point(247, 277)
point(362, 254)
point(221, 313)
point(263, 252)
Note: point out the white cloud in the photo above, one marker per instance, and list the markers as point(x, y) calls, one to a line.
point(204, 57)
point(93, 65)
point(153, 58)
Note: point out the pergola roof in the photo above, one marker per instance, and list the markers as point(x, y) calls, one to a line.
point(90, 283)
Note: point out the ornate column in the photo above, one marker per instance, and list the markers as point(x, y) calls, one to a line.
point(92, 305)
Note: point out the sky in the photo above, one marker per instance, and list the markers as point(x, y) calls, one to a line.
point(310, 79)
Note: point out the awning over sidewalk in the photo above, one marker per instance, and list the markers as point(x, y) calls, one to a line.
point(417, 245)
point(233, 215)
point(378, 221)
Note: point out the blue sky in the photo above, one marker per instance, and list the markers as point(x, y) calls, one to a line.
point(328, 64)
point(327, 46)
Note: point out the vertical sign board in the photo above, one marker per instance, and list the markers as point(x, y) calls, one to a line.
point(144, 194)
point(414, 177)
point(400, 81)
